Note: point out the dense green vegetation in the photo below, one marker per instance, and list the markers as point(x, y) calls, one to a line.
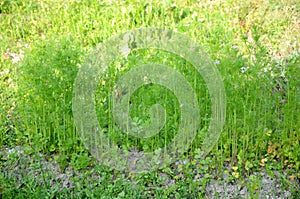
point(255, 46)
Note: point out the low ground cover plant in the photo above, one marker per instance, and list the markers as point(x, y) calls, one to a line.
point(255, 46)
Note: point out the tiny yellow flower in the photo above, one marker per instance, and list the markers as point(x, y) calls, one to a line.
point(264, 160)
point(234, 168)
point(235, 174)
point(292, 177)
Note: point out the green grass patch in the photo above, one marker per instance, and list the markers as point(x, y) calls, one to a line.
point(255, 46)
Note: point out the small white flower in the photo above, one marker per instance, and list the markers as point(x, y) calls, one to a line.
point(244, 69)
point(15, 58)
point(125, 50)
point(266, 69)
point(234, 47)
point(194, 15)
point(217, 62)
point(123, 10)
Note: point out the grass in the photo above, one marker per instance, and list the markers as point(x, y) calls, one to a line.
point(255, 46)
